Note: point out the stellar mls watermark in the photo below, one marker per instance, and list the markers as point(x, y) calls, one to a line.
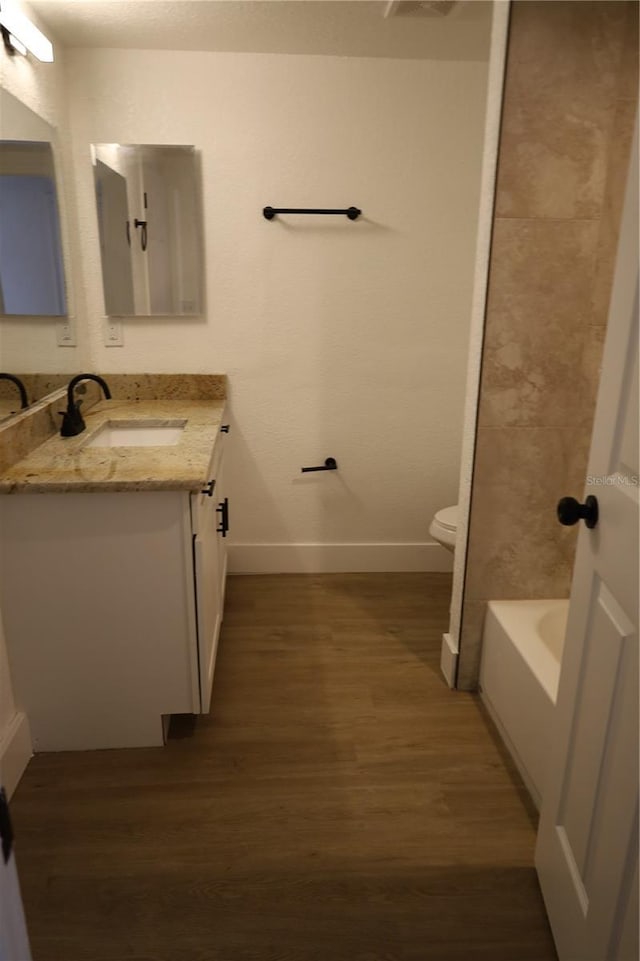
point(613, 480)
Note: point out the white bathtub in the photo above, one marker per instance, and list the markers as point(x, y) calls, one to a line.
point(519, 672)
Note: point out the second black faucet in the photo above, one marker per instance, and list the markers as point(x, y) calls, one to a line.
point(72, 420)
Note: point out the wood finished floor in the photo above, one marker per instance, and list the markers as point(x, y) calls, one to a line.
point(339, 803)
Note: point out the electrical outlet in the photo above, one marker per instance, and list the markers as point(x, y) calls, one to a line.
point(65, 333)
point(113, 335)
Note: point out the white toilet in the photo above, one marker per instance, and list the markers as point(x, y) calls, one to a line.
point(444, 527)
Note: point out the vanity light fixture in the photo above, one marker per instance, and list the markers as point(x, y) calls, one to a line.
point(20, 34)
point(12, 44)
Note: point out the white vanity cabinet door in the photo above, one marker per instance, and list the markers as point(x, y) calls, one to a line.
point(208, 607)
point(223, 513)
point(208, 512)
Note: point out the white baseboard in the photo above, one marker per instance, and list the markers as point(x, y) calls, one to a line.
point(15, 751)
point(449, 660)
point(336, 558)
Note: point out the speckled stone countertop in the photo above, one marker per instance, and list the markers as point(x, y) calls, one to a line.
point(67, 464)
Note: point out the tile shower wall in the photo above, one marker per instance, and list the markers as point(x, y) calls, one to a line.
point(569, 106)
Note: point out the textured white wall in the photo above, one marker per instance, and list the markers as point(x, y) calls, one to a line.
point(342, 339)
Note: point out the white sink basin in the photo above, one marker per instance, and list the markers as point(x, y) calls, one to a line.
point(137, 434)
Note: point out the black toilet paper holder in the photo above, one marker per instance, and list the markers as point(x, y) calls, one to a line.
point(329, 464)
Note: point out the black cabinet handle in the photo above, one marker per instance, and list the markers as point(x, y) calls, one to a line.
point(329, 464)
point(223, 509)
point(570, 511)
point(224, 429)
point(209, 489)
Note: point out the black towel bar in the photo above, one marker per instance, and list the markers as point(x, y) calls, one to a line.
point(351, 212)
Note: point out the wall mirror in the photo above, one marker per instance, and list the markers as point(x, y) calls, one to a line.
point(32, 275)
point(149, 222)
point(31, 261)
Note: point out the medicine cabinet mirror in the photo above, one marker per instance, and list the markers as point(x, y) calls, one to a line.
point(149, 222)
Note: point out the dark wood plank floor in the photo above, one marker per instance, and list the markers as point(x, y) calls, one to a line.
point(339, 804)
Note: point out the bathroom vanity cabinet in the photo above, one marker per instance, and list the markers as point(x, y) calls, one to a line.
point(112, 603)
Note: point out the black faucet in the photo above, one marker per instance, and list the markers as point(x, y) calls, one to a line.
point(72, 420)
point(23, 393)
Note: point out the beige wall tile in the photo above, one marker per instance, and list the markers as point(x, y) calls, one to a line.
point(563, 75)
point(519, 555)
point(617, 168)
point(538, 308)
point(578, 460)
point(570, 103)
point(591, 365)
point(514, 537)
point(522, 460)
point(628, 79)
point(567, 44)
point(554, 160)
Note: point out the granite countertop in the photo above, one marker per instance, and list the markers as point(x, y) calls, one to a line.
point(66, 464)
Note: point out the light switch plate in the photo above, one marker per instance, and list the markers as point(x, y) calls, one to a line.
point(66, 332)
point(113, 334)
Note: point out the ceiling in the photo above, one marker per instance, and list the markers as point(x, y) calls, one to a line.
point(347, 28)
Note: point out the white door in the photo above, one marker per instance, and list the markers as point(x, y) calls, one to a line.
point(14, 942)
point(587, 847)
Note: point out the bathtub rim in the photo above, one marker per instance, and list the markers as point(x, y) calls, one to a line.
point(531, 646)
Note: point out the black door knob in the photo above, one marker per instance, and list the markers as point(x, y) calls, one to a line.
point(570, 511)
